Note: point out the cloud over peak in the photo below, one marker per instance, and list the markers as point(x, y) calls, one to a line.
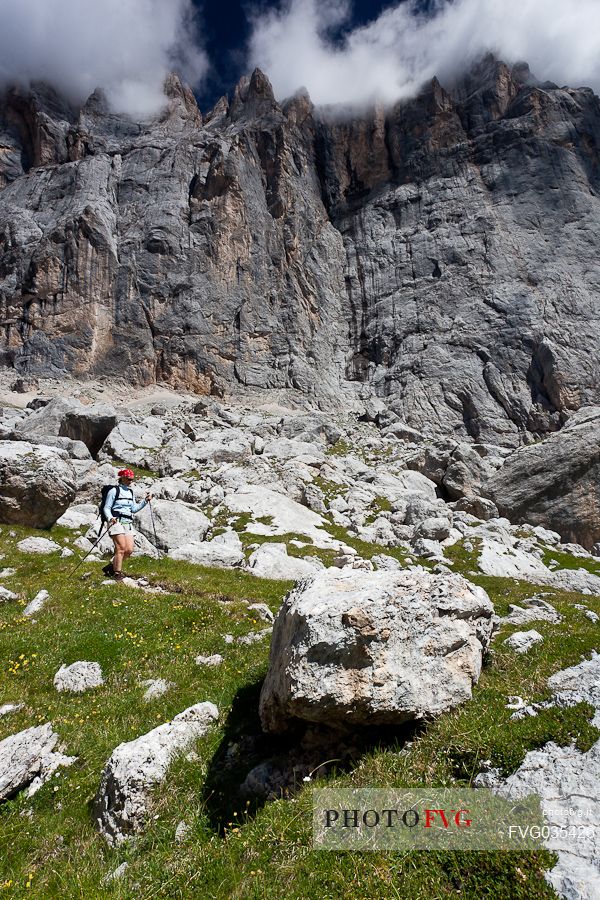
point(393, 56)
point(126, 47)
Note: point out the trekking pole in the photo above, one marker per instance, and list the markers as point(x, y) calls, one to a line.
point(93, 547)
point(154, 528)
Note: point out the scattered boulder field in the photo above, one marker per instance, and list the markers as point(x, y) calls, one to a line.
point(366, 523)
point(282, 491)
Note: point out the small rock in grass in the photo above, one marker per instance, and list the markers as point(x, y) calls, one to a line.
point(38, 545)
point(37, 604)
point(6, 573)
point(65, 553)
point(116, 875)
point(79, 676)
point(525, 712)
point(522, 641)
point(535, 609)
point(8, 708)
point(515, 703)
point(228, 638)
point(254, 636)
point(592, 616)
point(5, 594)
point(156, 687)
point(263, 611)
point(215, 660)
point(181, 832)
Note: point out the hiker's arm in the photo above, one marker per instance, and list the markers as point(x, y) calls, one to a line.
point(110, 499)
point(135, 507)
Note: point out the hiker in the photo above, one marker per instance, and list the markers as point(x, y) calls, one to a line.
point(118, 513)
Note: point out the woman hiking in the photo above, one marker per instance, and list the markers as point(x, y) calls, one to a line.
point(118, 512)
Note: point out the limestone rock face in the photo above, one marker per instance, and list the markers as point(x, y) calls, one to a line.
point(367, 648)
point(556, 482)
point(137, 766)
point(37, 484)
point(419, 253)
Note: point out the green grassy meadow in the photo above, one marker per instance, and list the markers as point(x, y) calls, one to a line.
point(235, 848)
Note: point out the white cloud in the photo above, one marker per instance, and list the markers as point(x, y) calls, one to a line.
point(393, 56)
point(124, 46)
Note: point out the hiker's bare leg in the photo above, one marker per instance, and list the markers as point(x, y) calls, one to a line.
point(121, 542)
point(129, 545)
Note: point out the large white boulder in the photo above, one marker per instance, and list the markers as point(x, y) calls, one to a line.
point(175, 522)
point(210, 553)
point(135, 767)
point(38, 545)
point(271, 560)
point(286, 515)
point(80, 515)
point(367, 648)
point(136, 444)
point(37, 484)
point(506, 560)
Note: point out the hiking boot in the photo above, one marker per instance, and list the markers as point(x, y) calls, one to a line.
point(118, 576)
point(108, 570)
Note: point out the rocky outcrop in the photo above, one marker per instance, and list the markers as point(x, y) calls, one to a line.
point(366, 648)
point(421, 253)
point(37, 484)
point(137, 766)
point(556, 482)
